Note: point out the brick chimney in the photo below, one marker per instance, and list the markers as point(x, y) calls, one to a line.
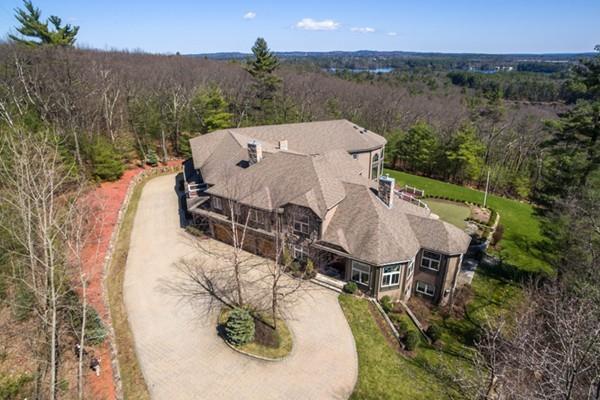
point(386, 190)
point(254, 152)
point(283, 145)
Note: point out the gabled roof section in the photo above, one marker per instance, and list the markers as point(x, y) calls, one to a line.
point(439, 235)
point(307, 138)
point(368, 230)
point(284, 178)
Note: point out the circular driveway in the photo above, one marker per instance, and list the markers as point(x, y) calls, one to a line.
point(181, 355)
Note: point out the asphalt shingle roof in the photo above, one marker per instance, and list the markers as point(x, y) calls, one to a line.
point(318, 172)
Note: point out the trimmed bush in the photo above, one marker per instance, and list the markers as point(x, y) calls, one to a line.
point(434, 332)
point(239, 328)
point(106, 162)
point(350, 287)
point(411, 340)
point(402, 327)
point(386, 304)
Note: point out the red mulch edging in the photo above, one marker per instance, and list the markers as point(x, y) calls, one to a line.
point(107, 199)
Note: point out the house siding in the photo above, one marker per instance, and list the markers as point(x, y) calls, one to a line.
point(365, 158)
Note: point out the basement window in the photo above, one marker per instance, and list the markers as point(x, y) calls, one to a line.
point(431, 260)
point(425, 288)
point(391, 276)
point(361, 272)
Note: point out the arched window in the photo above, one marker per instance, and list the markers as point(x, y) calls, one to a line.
point(375, 167)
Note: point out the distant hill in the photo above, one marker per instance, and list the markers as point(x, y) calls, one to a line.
point(546, 57)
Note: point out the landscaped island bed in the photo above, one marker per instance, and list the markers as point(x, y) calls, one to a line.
point(519, 247)
point(268, 344)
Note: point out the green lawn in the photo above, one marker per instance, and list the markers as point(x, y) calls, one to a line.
point(383, 372)
point(520, 246)
point(452, 212)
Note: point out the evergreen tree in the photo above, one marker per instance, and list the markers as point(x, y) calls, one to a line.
point(35, 32)
point(209, 111)
point(262, 68)
point(239, 328)
point(574, 149)
point(106, 162)
point(416, 149)
point(465, 155)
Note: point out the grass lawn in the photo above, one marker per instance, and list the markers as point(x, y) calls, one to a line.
point(383, 372)
point(449, 211)
point(520, 245)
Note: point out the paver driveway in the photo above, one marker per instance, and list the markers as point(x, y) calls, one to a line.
point(182, 357)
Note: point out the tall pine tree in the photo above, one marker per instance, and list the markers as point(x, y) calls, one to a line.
point(266, 84)
point(34, 32)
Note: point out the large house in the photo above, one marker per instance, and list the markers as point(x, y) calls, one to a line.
point(321, 184)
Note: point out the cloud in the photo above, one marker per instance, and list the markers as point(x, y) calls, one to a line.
point(365, 29)
point(250, 15)
point(310, 24)
point(392, 34)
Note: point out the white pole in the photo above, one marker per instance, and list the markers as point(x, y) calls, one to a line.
point(487, 184)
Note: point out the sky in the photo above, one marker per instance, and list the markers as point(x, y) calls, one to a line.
point(169, 26)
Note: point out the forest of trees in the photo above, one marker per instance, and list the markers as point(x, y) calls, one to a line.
point(130, 106)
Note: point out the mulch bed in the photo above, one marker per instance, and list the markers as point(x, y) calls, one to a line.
point(107, 199)
point(265, 335)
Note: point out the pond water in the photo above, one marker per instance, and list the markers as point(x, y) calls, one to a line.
point(379, 70)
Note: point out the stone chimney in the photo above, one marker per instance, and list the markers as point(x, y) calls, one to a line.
point(254, 152)
point(283, 145)
point(386, 190)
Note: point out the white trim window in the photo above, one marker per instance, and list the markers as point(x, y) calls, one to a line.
point(299, 253)
point(410, 268)
point(390, 276)
point(375, 166)
point(425, 288)
point(301, 224)
point(431, 260)
point(217, 203)
point(361, 273)
point(256, 216)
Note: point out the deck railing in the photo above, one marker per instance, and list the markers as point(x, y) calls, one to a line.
point(411, 199)
point(194, 188)
point(413, 190)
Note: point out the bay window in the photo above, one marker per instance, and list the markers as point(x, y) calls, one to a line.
point(390, 276)
point(361, 272)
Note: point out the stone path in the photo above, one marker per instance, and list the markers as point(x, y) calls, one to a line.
point(180, 354)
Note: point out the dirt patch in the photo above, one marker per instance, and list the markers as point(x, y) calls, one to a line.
point(265, 335)
point(384, 328)
point(422, 310)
